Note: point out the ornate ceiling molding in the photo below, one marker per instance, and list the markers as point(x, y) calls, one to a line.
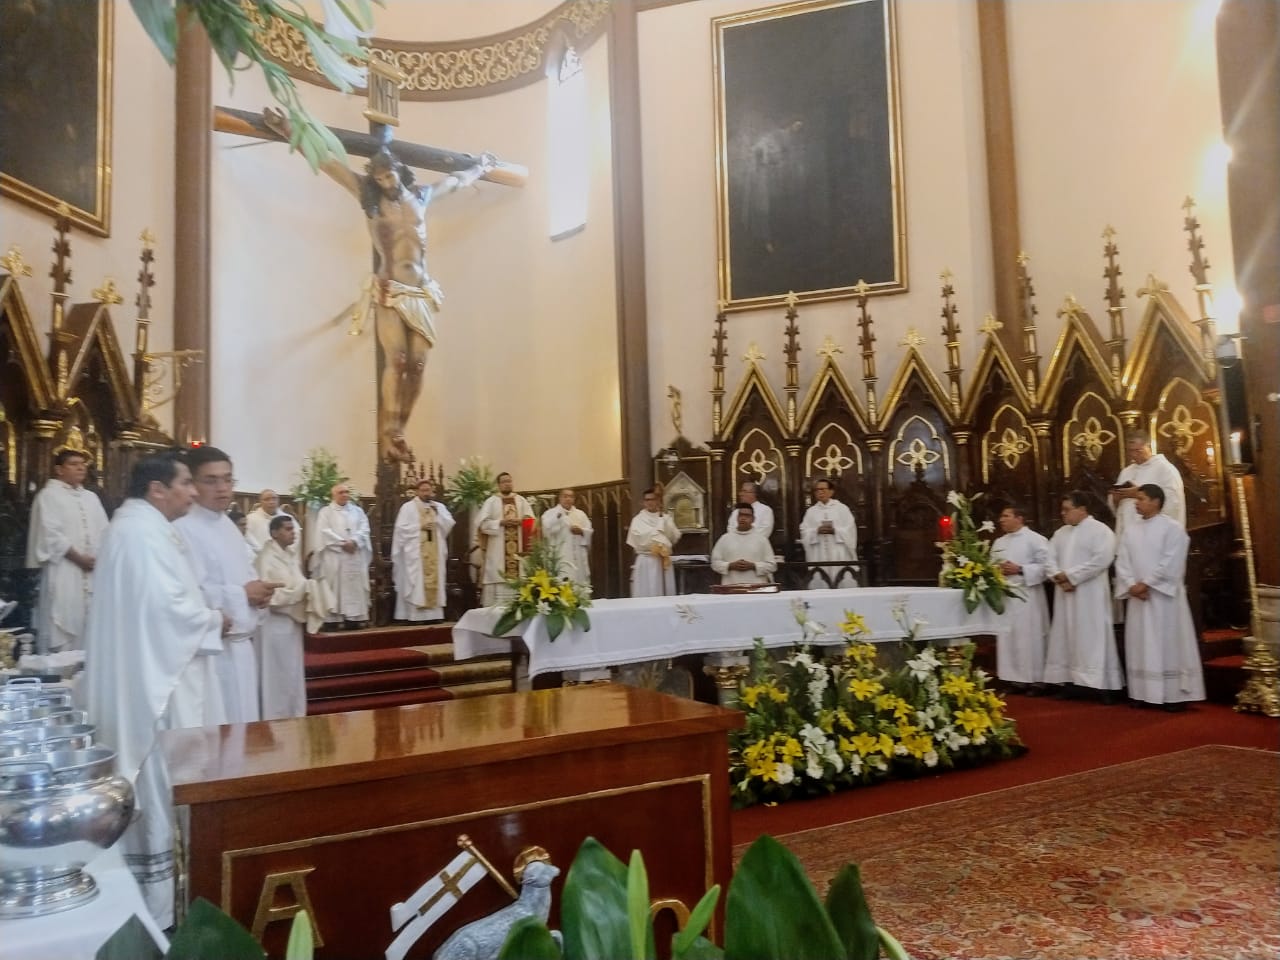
point(457, 69)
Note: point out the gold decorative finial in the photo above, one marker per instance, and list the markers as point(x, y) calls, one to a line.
point(13, 262)
point(990, 325)
point(753, 354)
point(720, 305)
point(861, 288)
point(1189, 204)
point(792, 300)
point(107, 293)
point(946, 275)
point(1108, 232)
point(1070, 306)
point(912, 338)
point(1153, 285)
point(1023, 259)
point(62, 210)
point(148, 239)
point(829, 348)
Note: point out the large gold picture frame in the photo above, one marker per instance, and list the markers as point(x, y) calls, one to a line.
point(55, 107)
point(808, 153)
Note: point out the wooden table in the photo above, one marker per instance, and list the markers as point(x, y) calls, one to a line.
point(352, 812)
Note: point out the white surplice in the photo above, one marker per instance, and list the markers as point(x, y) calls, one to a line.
point(1163, 474)
point(744, 545)
point(280, 642)
point(1162, 659)
point(1082, 644)
point(63, 517)
point(1020, 655)
point(257, 532)
point(498, 561)
point(222, 566)
point(574, 548)
point(342, 577)
point(763, 523)
point(151, 648)
point(840, 546)
point(652, 535)
point(412, 602)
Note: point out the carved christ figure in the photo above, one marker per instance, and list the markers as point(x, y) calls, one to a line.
point(401, 296)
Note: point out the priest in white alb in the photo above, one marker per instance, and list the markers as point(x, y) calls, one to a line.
point(1023, 556)
point(66, 528)
point(226, 575)
point(258, 520)
point(1161, 656)
point(420, 556)
point(1082, 647)
point(294, 603)
point(503, 537)
point(651, 535)
point(151, 646)
point(340, 559)
point(569, 530)
point(749, 493)
point(1146, 467)
point(743, 555)
point(830, 535)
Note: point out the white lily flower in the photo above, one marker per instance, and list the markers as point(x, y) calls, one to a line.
point(987, 527)
point(954, 498)
point(543, 607)
point(855, 764)
point(784, 772)
point(931, 758)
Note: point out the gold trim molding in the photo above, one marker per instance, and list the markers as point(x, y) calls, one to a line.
point(458, 69)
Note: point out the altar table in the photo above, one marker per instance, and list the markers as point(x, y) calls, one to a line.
point(350, 813)
point(636, 630)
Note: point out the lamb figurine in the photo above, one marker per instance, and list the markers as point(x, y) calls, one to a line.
point(482, 939)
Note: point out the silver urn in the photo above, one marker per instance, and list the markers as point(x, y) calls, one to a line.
point(58, 811)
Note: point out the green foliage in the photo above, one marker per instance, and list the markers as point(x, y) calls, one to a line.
point(236, 32)
point(529, 939)
point(542, 589)
point(205, 933)
point(966, 559)
point(317, 477)
point(471, 486)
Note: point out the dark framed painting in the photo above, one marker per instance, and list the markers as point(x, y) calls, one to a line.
point(55, 107)
point(808, 153)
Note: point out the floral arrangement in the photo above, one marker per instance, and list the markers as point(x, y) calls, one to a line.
point(966, 559)
point(541, 590)
point(816, 725)
point(471, 486)
point(317, 477)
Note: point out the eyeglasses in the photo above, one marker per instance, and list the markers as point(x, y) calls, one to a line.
point(226, 480)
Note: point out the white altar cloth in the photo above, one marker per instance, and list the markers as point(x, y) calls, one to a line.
point(638, 629)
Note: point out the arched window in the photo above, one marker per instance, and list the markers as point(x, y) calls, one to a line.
point(568, 169)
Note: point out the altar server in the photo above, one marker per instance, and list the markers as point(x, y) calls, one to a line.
point(651, 535)
point(1082, 646)
point(258, 520)
point(1146, 467)
point(569, 530)
point(226, 575)
point(67, 525)
point(502, 539)
point(1022, 555)
point(743, 555)
point(420, 556)
point(280, 643)
point(829, 533)
point(749, 493)
point(340, 559)
point(152, 644)
point(1162, 659)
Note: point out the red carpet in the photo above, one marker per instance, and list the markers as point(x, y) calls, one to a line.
point(1062, 736)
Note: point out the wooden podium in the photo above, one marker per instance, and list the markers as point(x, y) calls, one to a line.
point(348, 814)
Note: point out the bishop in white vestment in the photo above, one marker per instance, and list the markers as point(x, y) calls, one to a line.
point(749, 492)
point(420, 556)
point(258, 521)
point(1147, 467)
point(569, 530)
point(502, 539)
point(340, 561)
point(1023, 556)
point(67, 525)
point(1082, 646)
point(829, 533)
point(280, 641)
point(743, 555)
point(1162, 659)
point(651, 535)
point(151, 647)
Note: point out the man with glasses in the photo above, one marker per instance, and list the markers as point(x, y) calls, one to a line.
point(227, 578)
point(340, 560)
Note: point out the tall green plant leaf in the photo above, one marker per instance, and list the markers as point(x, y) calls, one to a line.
point(892, 948)
point(301, 946)
point(850, 915)
point(593, 906)
point(638, 906)
point(700, 948)
point(131, 942)
point(772, 910)
point(529, 939)
point(159, 19)
point(697, 922)
point(209, 934)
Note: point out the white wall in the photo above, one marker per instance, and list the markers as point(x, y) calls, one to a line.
point(142, 197)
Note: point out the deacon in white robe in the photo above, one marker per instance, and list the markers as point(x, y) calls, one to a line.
point(67, 524)
point(569, 530)
point(227, 578)
point(420, 556)
point(1147, 467)
point(651, 535)
point(1082, 646)
point(258, 521)
point(829, 533)
point(1023, 556)
point(151, 646)
point(280, 640)
point(743, 555)
point(503, 539)
point(1162, 659)
point(340, 561)
point(750, 493)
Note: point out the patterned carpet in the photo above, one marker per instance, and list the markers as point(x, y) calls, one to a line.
point(1172, 856)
